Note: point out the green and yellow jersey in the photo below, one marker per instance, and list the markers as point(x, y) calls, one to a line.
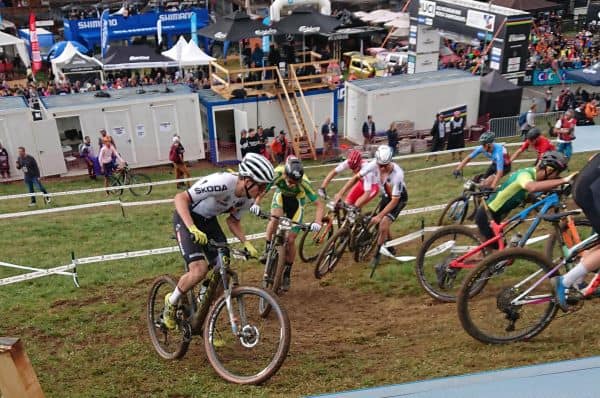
point(302, 190)
point(512, 193)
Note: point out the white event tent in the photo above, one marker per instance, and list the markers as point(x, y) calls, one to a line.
point(17, 44)
point(71, 61)
point(188, 54)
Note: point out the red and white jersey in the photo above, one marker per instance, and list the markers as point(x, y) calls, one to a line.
point(392, 184)
point(368, 180)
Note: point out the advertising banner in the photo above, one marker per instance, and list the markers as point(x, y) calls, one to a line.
point(104, 32)
point(36, 57)
point(548, 76)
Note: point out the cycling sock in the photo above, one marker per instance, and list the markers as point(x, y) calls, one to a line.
point(578, 272)
point(175, 296)
point(288, 268)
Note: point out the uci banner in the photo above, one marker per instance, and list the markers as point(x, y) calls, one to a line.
point(550, 77)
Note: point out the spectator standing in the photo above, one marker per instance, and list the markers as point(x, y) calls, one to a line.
point(176, 156)
point(456, 138)
point(86, 152)
point(591, 111)
point(548, 99)
point(392, 136)
point(257, 55)
point(329, 132)
point(529, 121)
point(103, 134)
point(368, 131)
point(105, 158)
point(262, 140)
point(279, 148)
point(439, 132)
point(243, 142)
point(540, 143)
point(565, 131)
point(253, 142)
point(31, 173)
point(4, 164)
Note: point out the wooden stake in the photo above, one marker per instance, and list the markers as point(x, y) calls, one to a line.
point(17, 377)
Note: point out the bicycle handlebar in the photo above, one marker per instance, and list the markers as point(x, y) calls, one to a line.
point(266, 216)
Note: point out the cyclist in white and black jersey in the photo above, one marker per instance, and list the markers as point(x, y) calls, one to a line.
point(195, 220)
point(390, 178)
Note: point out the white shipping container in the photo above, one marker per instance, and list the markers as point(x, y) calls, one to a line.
point(416, 97)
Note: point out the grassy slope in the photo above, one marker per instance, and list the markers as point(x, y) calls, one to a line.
point(93, 342)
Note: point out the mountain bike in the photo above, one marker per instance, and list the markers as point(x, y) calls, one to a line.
point(344, 237)
point(450, 250)
point(457, 209)
point(518, 301)
point(311, 242)
point(242, 345)
point(123, 175)
point(275, 262)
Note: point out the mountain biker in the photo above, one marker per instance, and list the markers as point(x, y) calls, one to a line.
point(390, 178)
point(538, 141)
point(587, 196)
point(292, 188)
point(516, 188)
point(500, 160)
point(363, 191)
point(195, 220)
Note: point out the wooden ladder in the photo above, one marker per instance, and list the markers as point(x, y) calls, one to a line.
point(301, 142)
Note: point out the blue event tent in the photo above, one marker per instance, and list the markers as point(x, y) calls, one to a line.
point(589, 75)
point(57, 49)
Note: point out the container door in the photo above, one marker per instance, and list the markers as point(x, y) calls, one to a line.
point(48, 151)
point(118, 125)
point(165, 126)
point(240, 121)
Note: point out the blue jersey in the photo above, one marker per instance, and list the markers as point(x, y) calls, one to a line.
point(499, 155)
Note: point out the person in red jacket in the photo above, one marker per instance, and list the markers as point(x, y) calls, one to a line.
point(176, 156)
point(540, 143)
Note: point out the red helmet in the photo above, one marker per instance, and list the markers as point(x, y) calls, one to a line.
point(354, 159)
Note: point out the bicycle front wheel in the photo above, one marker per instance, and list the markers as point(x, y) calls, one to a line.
point(169, 344)
point(433, 264)
point(505, 310)
point(257, 350)
point(365, 242)
point(454, 212)
point(140, 179)
point(311, 242)
point(115, 187)
point(272, 277)
point(332, 253)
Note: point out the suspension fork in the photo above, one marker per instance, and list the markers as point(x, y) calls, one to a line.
point(227, 286)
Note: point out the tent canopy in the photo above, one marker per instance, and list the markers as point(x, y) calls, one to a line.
point(175, 52)
point(235, 27)
point(135, 57)
point(72, 61)
point(529, 5)
point(306, 21)
point(188, 54)
point(10, 40)
point(498, 96)
point(58, 48)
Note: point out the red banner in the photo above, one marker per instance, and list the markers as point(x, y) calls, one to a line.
point(36, 58)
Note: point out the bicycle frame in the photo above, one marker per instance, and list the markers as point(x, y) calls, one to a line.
point(573, 252)
point(549, 202)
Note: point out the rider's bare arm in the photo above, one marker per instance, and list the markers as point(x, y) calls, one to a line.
point(235, 226)
point(182, 205)
point(328, 178)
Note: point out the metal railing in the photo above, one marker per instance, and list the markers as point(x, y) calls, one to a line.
point(509, 126)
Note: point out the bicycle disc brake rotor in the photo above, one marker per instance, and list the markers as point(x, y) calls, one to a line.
point(250, 336)
point(445, 274)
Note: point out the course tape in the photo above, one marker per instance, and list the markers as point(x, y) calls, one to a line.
point(61, 270)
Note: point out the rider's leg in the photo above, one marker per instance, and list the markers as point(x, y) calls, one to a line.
point(355, 193)
point(290, 254)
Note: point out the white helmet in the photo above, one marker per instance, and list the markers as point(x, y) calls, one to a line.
point(384, 154)
point(257, 167)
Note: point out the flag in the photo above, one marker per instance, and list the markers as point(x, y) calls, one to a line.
point(104, 32)
point(194, 28)
point(36, 57)
point(159, 31)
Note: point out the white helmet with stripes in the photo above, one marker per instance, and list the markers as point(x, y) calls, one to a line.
point(257, 167)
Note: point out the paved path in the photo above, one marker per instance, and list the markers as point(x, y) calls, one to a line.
point(565, 379)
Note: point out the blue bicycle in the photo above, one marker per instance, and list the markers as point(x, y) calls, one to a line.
point(444, 257)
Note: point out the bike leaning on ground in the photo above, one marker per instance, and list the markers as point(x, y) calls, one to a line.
point(242, 345)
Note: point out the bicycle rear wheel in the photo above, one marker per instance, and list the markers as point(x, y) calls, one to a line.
point(169, 344)
point(140, 179)
point(331, 253)
point(432, 266)
point(454, 212)
point(493, 316)
point(262, 344)
point(115, 187)
point(272, 277)
point(365, 242)
point(311, 242)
